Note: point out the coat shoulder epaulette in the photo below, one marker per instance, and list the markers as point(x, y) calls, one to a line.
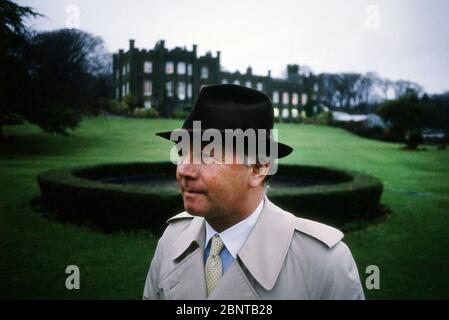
point(328, 235)
point(181, 216)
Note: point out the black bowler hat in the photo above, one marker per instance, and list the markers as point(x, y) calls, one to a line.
point(229, 106)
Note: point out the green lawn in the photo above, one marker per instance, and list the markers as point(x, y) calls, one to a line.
point(410, 246)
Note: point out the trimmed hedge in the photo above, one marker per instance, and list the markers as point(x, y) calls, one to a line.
point(350, 196)
point(77, 194)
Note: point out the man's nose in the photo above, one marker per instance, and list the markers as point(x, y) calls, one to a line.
point(186, 168)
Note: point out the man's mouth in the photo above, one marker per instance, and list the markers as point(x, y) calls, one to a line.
point(192, 191)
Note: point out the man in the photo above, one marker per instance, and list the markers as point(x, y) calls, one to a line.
point(232, 242)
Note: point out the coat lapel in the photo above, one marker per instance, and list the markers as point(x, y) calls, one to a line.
point(186, 279)
point(264, 251)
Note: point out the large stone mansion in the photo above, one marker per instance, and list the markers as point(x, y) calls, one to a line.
point(153, 76)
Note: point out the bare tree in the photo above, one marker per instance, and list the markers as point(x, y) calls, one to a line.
point(364, 87)
point(402, 86)
point(385, 85)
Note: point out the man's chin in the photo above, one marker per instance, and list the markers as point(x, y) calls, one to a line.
point(195, 209)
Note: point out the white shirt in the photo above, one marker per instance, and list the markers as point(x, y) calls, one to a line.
point(235, 236)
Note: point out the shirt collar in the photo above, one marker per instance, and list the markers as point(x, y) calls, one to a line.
point(235, 236)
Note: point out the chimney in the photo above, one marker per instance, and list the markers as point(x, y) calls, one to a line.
point(249, 70)
point(218, 54)
point(269, 73)
point(131, 44)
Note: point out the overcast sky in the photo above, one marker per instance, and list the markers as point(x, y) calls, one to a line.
point(398, 39)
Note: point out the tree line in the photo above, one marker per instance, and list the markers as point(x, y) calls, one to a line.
point(360, 91)
point(404, 105)
point(50, 78)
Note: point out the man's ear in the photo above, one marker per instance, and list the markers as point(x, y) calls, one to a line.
point(258, 174)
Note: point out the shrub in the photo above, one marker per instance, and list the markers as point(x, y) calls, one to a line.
point(145, 113)
point(404, 114)
point(346, 196)
point(322, 118)
point(180, 114)
point(359, 128)
point(413, 139)
point(118, 108)
point(132, 102)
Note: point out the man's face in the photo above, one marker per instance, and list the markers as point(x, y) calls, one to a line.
point(212, 190)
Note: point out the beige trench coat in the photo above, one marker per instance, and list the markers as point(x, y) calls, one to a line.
point(284, 257)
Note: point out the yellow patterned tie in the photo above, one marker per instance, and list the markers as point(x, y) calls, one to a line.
point(214, 267)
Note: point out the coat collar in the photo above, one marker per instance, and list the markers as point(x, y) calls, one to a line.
point(264, 251)
point(267, 245)
point(194, 234)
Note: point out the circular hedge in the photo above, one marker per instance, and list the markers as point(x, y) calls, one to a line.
point(110, 196)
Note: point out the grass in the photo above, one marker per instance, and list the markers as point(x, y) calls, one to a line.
point(410, 246)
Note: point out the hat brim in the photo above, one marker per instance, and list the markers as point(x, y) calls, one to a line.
point(283, 149)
